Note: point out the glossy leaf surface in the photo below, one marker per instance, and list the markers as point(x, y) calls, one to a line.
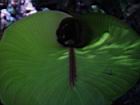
point(34, 67)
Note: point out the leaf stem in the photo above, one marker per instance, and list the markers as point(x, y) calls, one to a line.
point(72, 67)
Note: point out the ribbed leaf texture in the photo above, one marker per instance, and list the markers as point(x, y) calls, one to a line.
point(34, 67)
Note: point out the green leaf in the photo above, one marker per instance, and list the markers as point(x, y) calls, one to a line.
point(34, 67)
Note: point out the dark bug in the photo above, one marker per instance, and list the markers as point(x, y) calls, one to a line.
point(72, 33)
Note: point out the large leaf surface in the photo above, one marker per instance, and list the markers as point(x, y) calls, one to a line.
point(34, 68)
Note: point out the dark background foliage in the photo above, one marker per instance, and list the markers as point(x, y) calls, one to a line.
point(126, 10)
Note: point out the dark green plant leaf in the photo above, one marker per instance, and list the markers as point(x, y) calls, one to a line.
point(34, 67)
